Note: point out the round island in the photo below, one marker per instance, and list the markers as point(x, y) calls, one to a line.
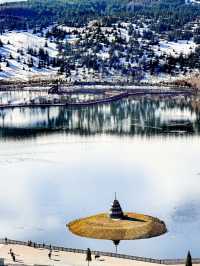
point(118, 225)
point(131, 226)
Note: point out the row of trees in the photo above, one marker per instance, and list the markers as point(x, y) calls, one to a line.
point(187, 263)
point(164, 15)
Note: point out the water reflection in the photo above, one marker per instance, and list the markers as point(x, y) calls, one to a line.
point(128, 117)
point(57, 177)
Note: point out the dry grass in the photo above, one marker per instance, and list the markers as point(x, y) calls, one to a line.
point(191, 81)
point(135, 226)
point(195, 81)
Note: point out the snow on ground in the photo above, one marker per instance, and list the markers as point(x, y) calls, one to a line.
point(15, 60)
point(16, 41)
point(103, 55)
point(71, 29)
point(24, 40)
point(6, 1)
point(175, 48)
point(192, 1)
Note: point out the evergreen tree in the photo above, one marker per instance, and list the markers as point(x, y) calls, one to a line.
point(61, 69)
point(40, 64)
point(189, 259)
point(30, 62)
point(1, 43)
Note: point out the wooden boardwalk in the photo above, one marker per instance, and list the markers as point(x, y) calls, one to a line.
point(106, 99)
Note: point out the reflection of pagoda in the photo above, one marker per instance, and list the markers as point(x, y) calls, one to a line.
point(116, 213)
point(116, 210)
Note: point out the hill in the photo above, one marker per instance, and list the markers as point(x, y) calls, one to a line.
point(99, 40)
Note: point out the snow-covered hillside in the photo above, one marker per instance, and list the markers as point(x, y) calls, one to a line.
point(175, 48)
point(15, 62)
point(119, 53)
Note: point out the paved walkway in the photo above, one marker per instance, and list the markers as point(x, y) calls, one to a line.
point(30, 256)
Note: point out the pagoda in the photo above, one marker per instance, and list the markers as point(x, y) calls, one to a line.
point(116, 210)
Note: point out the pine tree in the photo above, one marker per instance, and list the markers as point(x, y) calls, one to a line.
point(40, 64)
point(189, 259)
point(53, 62)
point(30, 62)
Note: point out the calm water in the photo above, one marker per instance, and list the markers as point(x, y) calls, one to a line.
point(58, 164)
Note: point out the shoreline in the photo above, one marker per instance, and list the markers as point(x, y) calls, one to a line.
point(20, 85)
point(14, 244)
point(112, 97)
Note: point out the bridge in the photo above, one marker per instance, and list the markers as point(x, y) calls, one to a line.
point(112, 97)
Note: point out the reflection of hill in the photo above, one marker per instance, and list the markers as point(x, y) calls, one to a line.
point(24, 132)
point(127, 117)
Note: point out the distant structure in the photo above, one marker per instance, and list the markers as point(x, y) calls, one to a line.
point(116, 210)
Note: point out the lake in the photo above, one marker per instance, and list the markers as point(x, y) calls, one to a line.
point(60, 164)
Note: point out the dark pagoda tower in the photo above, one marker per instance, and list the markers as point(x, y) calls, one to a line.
point(116, 210)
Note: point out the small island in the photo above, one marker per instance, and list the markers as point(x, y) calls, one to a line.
point(118, 225)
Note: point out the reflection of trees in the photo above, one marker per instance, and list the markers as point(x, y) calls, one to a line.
point(131, 116)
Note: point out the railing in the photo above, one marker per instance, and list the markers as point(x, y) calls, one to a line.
point(100, 253)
